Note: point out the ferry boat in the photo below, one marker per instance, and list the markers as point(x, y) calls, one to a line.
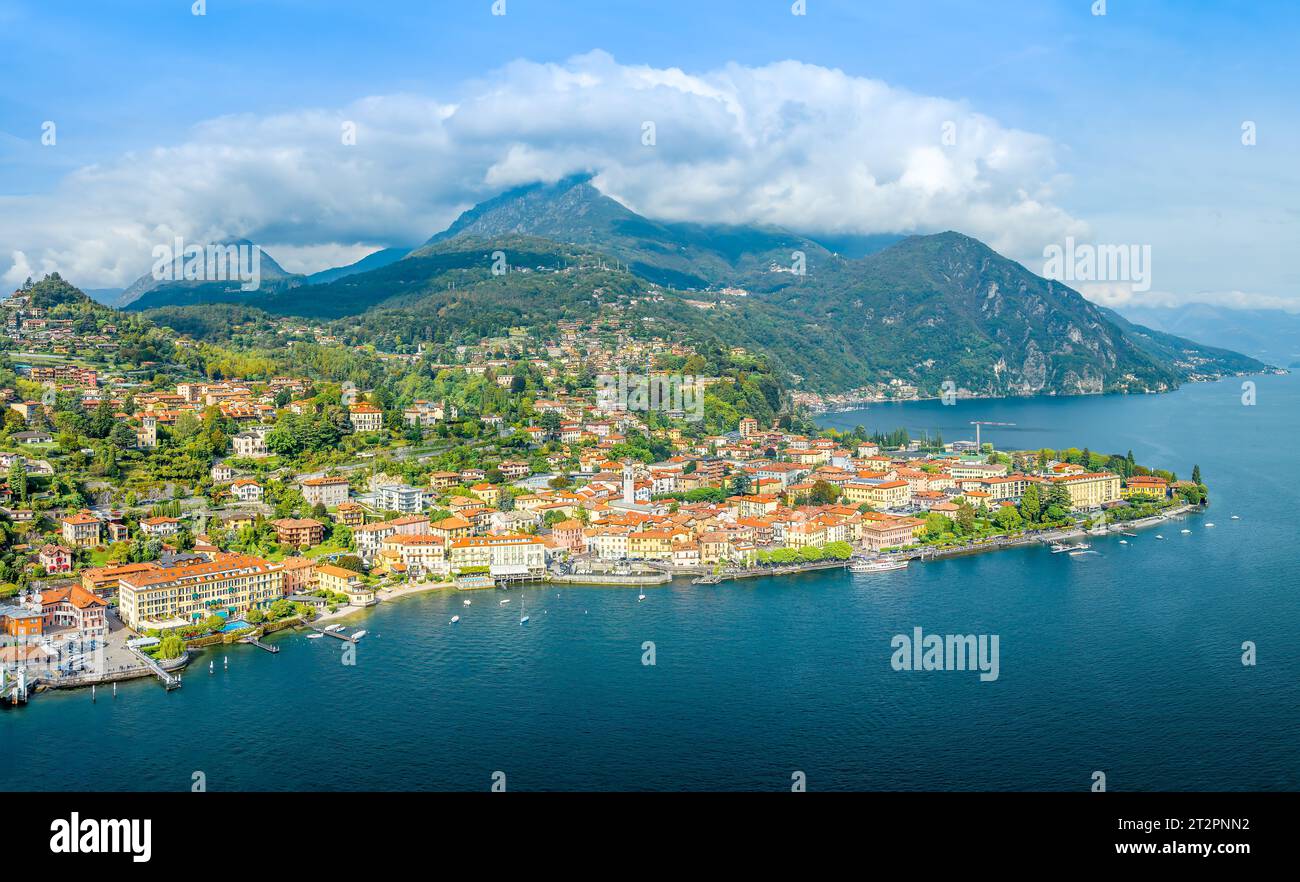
point(877, 566)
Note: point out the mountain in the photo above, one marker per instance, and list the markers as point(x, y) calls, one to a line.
point(681, 255)
point(147, 292)
point(1271, 335)
point(918, 312)
point(105, 296)
point(381, 258)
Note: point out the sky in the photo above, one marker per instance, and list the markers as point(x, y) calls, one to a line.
point(1168, 126)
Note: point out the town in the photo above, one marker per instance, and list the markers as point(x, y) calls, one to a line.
point(164, 494)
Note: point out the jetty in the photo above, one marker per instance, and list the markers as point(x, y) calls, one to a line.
point(252, 640)
point(169, 681)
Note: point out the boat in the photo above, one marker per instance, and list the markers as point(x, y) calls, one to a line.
point(1123, 542)
point(315, 636)
point(1158, 536)
point(1080, 551)
point(357, 636)
point(641, 596)
point(1236, 518)
point(1058, 547)
point(523, 616)
point(504, 602)
point(465, 602)
point(455, 619)
point(1207, 526)
point(333, 627)
point(1185, 531)
point(877, 566)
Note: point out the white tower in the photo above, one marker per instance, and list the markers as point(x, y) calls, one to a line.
point(629, 485)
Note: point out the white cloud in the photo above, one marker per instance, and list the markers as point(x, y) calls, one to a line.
point(792, 144)
point(1119, 295)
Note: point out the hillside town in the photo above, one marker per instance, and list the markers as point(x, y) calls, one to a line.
point(152, 509)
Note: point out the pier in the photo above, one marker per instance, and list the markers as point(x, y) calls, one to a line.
point(253, 640)
point(169, 681)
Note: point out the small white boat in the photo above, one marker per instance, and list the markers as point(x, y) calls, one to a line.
point(877, 566)
point(524, 620)
point(1207, 526)
point(315, 636)
point(1058, 547)
point(504, 602)
point(1236, 518)
point(455, 619)
point(1123, 542)
point(465, 602)
point(334, 628)
point(1185, 531)
point(1158, 536)
point(641, 596)
point(357, 636)
point(1081, 551)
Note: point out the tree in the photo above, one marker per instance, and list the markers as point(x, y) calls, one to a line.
point(1007, 518)
point(823, 493)
point(1031, 504)
point(18, 479)
point(1196, 474)
point(740, 483)
point(965, 518)
point(172, 646)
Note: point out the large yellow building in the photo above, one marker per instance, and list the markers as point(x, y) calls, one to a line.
point(504, 554)
point(1091, 489)
point(166, 597)
point(886, 494)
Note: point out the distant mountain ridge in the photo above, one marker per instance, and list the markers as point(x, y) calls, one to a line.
point(920, 311)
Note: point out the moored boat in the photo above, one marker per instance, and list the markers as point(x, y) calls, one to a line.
point(877, 566)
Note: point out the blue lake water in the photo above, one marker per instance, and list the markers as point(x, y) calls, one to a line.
point(1127, 661)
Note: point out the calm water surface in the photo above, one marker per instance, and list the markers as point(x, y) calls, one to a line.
point(1127, 661)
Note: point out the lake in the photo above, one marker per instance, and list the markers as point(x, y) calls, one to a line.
point(1127, 661)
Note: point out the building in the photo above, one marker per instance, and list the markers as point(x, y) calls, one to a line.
point(369, 538)
point(75, 607)
point(221, 473)
point(350, 514)
point(103, 580)
point(55, 558)
point(503, 556)
point(401, 498)
point(246, 490)
point(893, 533)
point(179, 595)
point(1090, 489)
point(336, 579)
point(418, 553)
point(328, 491)
point(156, 528)
point(299, 574)
point(298, 532)
point(251, 444)
point(365, 417)
point(1145, 485)
point(81, 530)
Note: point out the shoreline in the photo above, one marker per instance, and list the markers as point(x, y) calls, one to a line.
point(865, 403)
